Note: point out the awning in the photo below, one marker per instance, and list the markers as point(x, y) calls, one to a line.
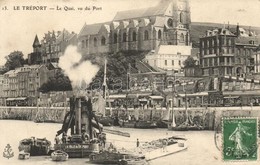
point(194, 94)
point(242, 93)
point(143, 99)
point(110, 100)
point(231, 97)
point(10, 99)
point(117, 96)
point(156, 97)
point(20, 98)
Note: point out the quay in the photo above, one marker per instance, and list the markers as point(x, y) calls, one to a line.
point(171, 149)
point(208, 117)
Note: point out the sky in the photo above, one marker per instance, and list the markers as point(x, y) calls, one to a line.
point(19, 27)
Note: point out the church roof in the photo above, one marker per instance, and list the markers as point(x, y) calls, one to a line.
point(138, 13)
point(90, 29)
point(159, 21)
point(36, 41)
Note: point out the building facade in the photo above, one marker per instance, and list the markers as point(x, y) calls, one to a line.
point(142, 29)
point(20, 86)
point(169, 57)
point(223, 52)
point(51, 47)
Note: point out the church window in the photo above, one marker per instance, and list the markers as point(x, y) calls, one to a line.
point(134, 36)
point(124, 37)
point(115, 38)
point(182, 37)
point(146, 35)
point(86, 43)
point(165, 62)
point(103, 40)
point(95, 42)
point(82, 43)
point(170, 22)
point(181, 17)
point(159, 34)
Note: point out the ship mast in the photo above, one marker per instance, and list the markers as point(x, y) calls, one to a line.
point(173, 92)
point(104, 81)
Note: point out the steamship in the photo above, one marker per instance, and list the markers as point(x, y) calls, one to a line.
point(84, 130)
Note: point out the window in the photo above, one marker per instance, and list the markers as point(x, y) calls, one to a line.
point(159, 34)
point(165, 62)
point(103, 40)
point(182, 37)
point(172, 62)
point(124, 37)
point(86, 43)
point(134, 36)
point(180, 62)
point(181, 17)
point(95, 42)
point(146, 35)
point(170, 22)
point(115, 38)
point(82, 44)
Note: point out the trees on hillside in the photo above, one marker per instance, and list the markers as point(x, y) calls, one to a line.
point(189, 62)
point(59, 82)
point(14, 60)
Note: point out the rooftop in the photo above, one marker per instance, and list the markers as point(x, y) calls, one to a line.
point(138, 13)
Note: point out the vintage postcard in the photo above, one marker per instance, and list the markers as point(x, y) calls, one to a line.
point(129, 82)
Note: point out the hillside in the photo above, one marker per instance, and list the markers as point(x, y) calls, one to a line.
point(117, 67)
point(198, 29)
point(118, 63)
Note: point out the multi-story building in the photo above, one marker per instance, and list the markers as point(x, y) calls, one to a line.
point(142, 29)
point(22, 84)
point(223, 52)
point(257, 60)
point(51, 47)
point(169, 57)
point(2, 102)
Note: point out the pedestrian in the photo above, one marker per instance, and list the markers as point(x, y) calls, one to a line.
point(137, 143)
point(164, 145)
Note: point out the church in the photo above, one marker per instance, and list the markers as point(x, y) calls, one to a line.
point(167, 23)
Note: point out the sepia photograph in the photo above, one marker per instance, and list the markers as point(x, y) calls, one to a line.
point(129, 82)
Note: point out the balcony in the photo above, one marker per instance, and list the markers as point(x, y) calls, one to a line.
point(226, 63)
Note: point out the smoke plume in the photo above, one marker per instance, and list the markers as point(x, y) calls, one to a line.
point(80, 72)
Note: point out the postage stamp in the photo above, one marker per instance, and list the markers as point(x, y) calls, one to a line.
point(240, 138)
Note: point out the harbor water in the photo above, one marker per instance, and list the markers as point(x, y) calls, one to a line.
point(201, 150)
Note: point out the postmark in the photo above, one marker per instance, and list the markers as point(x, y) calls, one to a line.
point(239, 139)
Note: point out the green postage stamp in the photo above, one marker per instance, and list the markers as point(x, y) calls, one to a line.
point(240, 139)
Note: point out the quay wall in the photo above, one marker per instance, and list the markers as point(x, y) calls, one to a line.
point(208, 117)
point(38, 114)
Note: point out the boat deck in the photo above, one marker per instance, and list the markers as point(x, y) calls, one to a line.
point(169, 150)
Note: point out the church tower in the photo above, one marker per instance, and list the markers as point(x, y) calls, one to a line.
point(36, 45)
point(35, 57)
point(177, 23)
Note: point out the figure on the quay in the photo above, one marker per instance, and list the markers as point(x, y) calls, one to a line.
point(137, 143)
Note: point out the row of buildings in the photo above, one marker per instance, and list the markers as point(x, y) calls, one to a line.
point(21, 85)
point(227, 60)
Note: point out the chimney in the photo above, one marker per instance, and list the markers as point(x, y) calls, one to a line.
point(238, 31)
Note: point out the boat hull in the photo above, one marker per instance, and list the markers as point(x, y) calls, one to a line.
point(59, 156)
point(107, 157)
point(37, 147)
point(78, 150)
point(24, 156)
